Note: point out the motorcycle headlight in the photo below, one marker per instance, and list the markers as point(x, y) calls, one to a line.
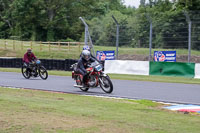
point(38, 62)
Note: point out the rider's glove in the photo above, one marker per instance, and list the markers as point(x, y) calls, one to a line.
point(88, 72)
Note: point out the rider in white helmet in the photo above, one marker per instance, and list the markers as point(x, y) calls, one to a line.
point(86, 47)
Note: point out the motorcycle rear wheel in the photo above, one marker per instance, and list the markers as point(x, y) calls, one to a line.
point(43, 73)
point(107, 85)
point(79, 82)
point(25, 72)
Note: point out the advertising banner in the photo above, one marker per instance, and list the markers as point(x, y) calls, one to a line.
point(105, 55)
point(165, 56)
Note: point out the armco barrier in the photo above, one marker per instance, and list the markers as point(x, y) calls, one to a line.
point(49, 64)
point(172, 69)
point(127, 67)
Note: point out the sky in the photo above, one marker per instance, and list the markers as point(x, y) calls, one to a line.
point(135, 3)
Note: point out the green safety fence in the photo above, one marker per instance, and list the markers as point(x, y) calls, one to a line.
point(172, 69)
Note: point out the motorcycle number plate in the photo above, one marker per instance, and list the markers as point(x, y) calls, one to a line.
point(98, 68)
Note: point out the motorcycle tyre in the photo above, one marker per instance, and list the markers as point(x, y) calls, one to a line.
point(45, 71)
point(110, 84)
point(25, 76)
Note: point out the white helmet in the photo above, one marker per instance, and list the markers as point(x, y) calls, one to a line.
point(86, 47)
point(86, 54)
point(29, 50)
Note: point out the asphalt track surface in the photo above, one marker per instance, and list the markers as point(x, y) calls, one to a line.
point(156, 91)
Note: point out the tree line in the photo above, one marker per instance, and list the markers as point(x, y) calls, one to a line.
point(58, 20)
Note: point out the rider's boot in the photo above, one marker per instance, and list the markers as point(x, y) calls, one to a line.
point(84, 83)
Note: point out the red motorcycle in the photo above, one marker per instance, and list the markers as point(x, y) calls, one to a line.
point(95, 78)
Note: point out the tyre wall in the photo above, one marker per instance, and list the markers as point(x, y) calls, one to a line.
point(49, 64)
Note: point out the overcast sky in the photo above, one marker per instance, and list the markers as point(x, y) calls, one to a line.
point(135, 3)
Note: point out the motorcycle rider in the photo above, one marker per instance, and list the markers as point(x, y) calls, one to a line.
point(29, 57)
point(86, 47)
point(83, 62)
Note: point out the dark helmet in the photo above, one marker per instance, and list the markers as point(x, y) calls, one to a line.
point(86, 55)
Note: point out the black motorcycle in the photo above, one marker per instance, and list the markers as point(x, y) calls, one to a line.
point(34, 69)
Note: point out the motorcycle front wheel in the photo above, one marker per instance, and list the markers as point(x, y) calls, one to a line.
point(106, 84)
point(43, 73)
point(25, 72)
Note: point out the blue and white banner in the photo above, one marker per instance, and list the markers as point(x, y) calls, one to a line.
point(105, 55)
point(165, 56)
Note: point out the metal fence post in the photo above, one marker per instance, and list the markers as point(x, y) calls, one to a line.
point(117, 36)
point(150, 35)
point(87, 35)
point(86, 30)
point(91, 44)
point(189, 41)
point(150, 41)
point(189, 34)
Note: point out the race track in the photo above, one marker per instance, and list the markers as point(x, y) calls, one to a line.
point(164, 92)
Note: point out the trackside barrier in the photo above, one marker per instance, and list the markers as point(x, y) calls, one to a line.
point(49, 64)
point(172, 69)
point(127, 67)
point(190, 70)
point(197, 70)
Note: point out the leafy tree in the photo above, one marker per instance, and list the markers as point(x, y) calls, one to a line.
point(52, 20)
point(6, 20)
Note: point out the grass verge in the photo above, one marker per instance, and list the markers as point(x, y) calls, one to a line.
point(14, 49)
point(124, 77)
point(38, 111)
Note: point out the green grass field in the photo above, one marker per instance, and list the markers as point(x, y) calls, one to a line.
point(71, 52)
point(38, 111)
point(123, 77)
point(31, 111)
